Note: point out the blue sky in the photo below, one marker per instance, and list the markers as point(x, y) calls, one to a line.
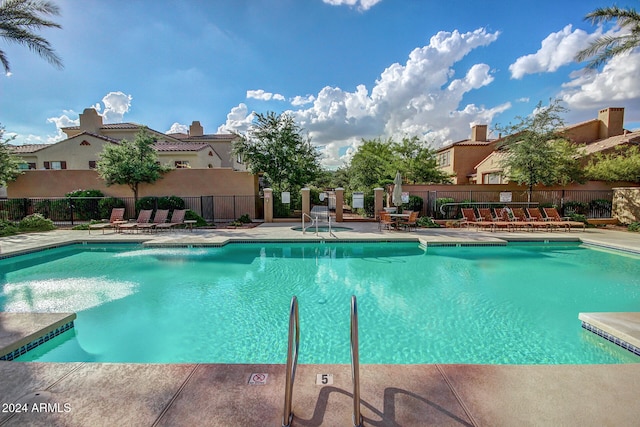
point(346, 69)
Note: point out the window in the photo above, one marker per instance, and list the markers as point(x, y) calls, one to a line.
point(182, 164)
point(239, 159)
point(57, 165)
point(26, 166)
point(444, 159)
point(492, 178)
point(92, 164)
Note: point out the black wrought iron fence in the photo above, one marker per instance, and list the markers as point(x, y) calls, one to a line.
point(74, 210)
point(446, 204)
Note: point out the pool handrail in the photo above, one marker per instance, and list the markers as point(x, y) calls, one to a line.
point(355, 363)
point(292, 360)
point(313, 221)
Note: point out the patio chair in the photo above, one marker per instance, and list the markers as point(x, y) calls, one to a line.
point(159, 218)
point(143, 218)
point(385, 221)
point(531, 223)
point(485, 214)
point(536, 214)
point(469, 218)
point(117, 214)
point(553, 214)
point(177, 219)
point(412, 221)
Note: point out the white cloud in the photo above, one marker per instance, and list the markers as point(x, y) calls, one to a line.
point(302, 100)
point(419, 97)
point(557, 49)
point(362, 5)
point(178, 128)
point(60, 122)
point(615, 86)
point(238, 120)
point(116, 105)
point(264, 96)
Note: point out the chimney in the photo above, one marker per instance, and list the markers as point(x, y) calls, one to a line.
point(479, 133)
point(90, 121)
point(611, 122)
point(196, 129)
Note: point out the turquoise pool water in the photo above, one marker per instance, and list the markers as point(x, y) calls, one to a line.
point(497, 305)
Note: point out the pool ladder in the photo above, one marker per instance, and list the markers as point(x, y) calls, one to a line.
point(292, 362)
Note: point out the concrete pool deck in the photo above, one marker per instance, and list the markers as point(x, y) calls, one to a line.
point(392, 395)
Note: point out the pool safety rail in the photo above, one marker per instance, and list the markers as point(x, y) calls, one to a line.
point(292, 362)
point(313, 221)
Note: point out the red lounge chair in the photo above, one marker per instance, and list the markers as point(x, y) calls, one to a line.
point(537, 216)
point(470, 218)
point(531, 223)
point(117, 214)
point(177, 219)
point(143, 218)
point(485, 214)
point(158, 219)
point(552, 213)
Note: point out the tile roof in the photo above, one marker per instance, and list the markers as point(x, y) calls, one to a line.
point(613, 141)
point(27, 148)
point(181, 146)
point(465, 142)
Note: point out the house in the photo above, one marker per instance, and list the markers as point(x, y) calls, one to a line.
point(81, 150)
point(600, 135)
point(460, 158)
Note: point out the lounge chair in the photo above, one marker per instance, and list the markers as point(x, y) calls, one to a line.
point(553, 214)
point(177, 219)
point(469, 218)
point(158, 219)
point(485, 214)
point(536, 214)
point(117, 214)
point(531, 223)
point(143, 218)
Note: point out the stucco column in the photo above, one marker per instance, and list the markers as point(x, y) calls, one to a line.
point(378, 194)
point(306, 201)
point(339, 203)
point(268, 205)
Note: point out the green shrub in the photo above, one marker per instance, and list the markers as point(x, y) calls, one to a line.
point(149, 202)
point(426, 222)
point(414, 204)
point(87, 208)
point(244, 219)
point(634, 226)
point(578, 217)
point(191, 215)
point(171, 203)
point(576, 208)
point(16, 208)
point(7, 228)
point(36, 222)
point(106, 205)
point(441, 201)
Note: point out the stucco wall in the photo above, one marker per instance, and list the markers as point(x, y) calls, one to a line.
point(178, 182)
point(626, 204)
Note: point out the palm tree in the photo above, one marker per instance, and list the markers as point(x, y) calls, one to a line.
point(18, 20)
point(607, 46)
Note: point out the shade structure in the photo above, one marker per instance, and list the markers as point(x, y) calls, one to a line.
point(396, 196)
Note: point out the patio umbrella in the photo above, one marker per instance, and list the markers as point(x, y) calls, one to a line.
point(396, 196)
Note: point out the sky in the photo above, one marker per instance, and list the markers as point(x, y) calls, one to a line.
point(346, 70)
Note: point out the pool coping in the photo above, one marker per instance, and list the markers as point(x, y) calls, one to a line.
point(23, 332)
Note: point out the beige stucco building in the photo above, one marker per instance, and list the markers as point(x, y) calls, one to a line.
point(81, 150)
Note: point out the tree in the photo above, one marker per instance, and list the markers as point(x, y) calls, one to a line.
point(608, 46)
point(9, 163)
point(131, 162)
point(275, 146)
point(18, 21)
point(621, 165)
point(372, 165)
point(417, 162)
point(537, 151)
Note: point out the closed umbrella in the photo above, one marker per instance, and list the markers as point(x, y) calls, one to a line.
point(396, 196)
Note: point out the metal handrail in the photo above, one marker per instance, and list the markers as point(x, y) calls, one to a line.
point(304, 230)
point(355, 363)
point(292, 360)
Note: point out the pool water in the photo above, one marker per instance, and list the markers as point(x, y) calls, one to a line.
point(516, 304)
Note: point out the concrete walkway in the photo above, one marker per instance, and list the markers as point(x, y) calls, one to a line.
point(97, 394)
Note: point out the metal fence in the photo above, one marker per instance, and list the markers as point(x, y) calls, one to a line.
point(74, 210)
point(447, 204)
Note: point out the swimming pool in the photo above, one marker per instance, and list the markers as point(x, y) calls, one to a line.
point(515, 304)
